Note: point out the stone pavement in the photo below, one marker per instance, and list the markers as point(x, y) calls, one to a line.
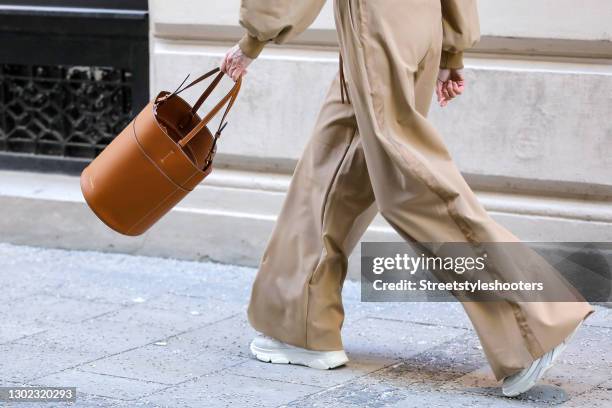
point(132, 331)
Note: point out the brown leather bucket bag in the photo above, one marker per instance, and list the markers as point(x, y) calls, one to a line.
point(162, 155)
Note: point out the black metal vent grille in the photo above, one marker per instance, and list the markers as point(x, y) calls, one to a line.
point(68, 111)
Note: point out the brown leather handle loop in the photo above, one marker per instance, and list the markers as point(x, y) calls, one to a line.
point(194, 82)
point(199, 79)
point(206, 93)
point(230, 97)
point(187, 119)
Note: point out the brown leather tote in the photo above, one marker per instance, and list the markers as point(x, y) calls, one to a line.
point(162, 155)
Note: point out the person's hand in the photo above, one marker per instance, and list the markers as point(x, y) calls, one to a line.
point(451, 84)
point(235, 63)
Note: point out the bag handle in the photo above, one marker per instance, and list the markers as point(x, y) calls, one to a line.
point(228, 99)
point(197, 80)
point(231, 97)
point(206, 93)
point(200, 101)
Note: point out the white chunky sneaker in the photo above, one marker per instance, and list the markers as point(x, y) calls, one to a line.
point(525, 379)
point(270, 350)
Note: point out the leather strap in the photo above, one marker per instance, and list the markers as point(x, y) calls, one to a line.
point(188, 118)
point(231, 98)
point(206, 93)
point(179, 89)
point(199, 79)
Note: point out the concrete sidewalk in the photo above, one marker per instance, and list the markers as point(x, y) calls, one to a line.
point(131, 331)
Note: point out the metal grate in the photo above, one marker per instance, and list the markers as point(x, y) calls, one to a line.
point(69, 111)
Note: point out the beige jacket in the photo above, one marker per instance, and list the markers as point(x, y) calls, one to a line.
point(280, 20)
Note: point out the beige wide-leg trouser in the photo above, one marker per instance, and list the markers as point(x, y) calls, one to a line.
point(380, 153)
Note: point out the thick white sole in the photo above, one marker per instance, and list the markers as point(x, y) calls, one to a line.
point(521, 387)
point(321, 360)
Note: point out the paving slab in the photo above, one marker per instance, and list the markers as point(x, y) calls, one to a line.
point(449, 314)
point(229, 336)
point(169, 362)
point(99, 385)
point(48, 310)
point(394, 338)
point(356, 367)
point(599, 397)
point(94, 339)
point(11, 330)
point(22, 363)
point(229, 390)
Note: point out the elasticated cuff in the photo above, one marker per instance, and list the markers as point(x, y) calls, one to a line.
point(451, 60)
point(251, 46)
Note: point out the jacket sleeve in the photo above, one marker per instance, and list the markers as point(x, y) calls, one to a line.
point(274, 20)
point(461, 30)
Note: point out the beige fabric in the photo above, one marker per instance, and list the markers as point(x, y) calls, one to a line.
point(281, 20)
point(274, 20)
point(381, 150)
point(328, 207)
point(461, 30)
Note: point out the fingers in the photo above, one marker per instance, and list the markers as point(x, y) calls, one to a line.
point(442, 92)
point(232, 73)
point(236, 70)
point(228, 60)
point(223, 65)
point(458, 90)
point(234, 63)
point(439, 95)
point(460, 86)
point(237, 67)
point(449, 90)
point(454, 89)
point(445, 92)
point(235, 73)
